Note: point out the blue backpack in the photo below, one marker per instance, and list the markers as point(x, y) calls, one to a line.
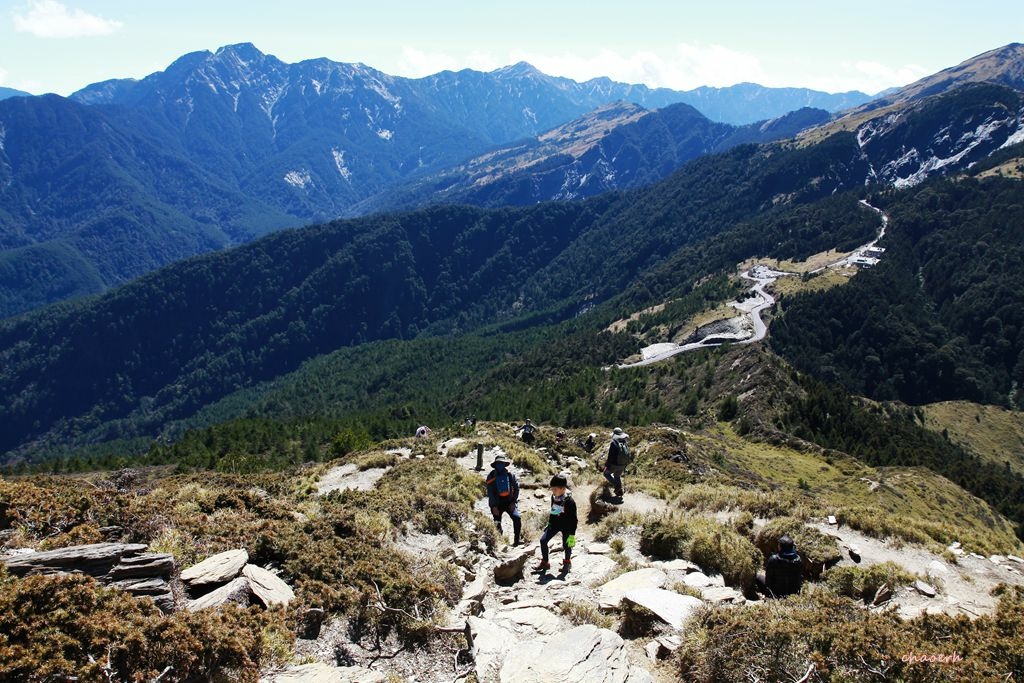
point(503, 482)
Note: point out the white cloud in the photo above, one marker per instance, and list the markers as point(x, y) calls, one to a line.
point(51, 19)
point(417, 63)
point(866, 76)
point(687, 66)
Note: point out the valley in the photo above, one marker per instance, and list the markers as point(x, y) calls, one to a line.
point(266, 327)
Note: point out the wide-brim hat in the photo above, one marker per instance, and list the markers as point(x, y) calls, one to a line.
point(501, 460)
point(617, 433)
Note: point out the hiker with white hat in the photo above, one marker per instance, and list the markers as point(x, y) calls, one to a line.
point(618, 457)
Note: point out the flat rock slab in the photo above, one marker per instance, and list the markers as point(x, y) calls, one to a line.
point(143, 566)
point(722, 595)
point(680, 566)
point(219, 568)
point(236, 592)
point(599, 548)
point(267, 586)
point(925, 589)
point(610, 594)
point(672, 608)
point(540, 620)
point(324, 673)
point(490, 645)
point(585, 654)
point(95, 559)
point(702, 580)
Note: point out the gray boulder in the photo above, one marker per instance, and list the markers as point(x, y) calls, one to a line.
point(267, 586)
point(236, 592)
point(219, 568)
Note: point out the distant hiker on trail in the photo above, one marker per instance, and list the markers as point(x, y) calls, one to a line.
point(590, 444)
point(783, 571)
point(618, 457)
point(562, 519)
point(503, 496)
point(422, 432)
point(527, 431)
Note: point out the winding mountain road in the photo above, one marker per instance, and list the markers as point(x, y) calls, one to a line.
point(762, 277)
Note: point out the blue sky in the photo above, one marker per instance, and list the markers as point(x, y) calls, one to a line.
point(62, 45)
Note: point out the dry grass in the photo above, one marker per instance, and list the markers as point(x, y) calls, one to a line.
point(994, 434)
point(1014, 168)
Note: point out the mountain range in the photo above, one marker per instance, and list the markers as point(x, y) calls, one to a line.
point(11, 92)
point(229, 145)
point(256, 406)
point(165, 346)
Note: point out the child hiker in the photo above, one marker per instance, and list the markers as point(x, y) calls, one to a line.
point(503, 496)
point(561, 520)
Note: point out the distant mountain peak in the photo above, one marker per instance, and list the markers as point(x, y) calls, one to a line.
point(519, 70)
point(241, 49)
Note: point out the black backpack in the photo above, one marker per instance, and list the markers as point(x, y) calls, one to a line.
point(623, 456)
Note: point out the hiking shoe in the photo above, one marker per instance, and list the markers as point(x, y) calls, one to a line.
point(544, 564)
point(566, 564)
point(516, 543)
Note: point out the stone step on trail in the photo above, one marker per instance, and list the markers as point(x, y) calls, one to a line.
point(584, 654)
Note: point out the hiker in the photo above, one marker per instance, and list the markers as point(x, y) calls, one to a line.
point(527, 430)
point(590, 444)
point(618, 457)
point(422, 432)
point(783, 571)
point(562, 519)
point(503, 496)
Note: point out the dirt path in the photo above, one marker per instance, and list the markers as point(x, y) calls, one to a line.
point(964, 587)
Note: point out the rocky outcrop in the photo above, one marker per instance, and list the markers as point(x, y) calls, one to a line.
point(217, 569)
point(267, 587)
point(511, 570)
point(232, 580)
point(122, 565)
point(585, 654)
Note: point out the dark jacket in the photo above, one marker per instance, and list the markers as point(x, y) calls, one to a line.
point(784, 574)
point(612, 461)
point(496, 501)
point(563, 515)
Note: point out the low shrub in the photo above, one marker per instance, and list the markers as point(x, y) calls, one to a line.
point(714, 547)
point(862, 583)
point(580, 613)
point(779, 640)
point(817, 550)
point(70, 627)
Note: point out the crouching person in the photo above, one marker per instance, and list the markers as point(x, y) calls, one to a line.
point(561, 520)
point(783, 572)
